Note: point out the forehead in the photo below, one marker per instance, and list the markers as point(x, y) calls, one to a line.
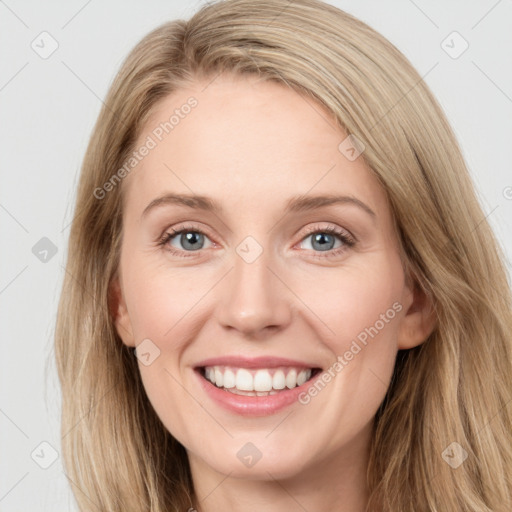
point(246, 140)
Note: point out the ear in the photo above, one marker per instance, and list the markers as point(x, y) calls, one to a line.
point(420, 319)
point(119, 312)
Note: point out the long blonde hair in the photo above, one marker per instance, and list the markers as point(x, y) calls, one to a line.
point(454, 388)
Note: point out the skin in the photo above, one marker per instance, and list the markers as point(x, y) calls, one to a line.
point(251, 145)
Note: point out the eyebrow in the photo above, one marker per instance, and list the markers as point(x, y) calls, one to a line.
point(294, 205)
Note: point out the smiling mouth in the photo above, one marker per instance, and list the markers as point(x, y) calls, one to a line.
point(257, 382)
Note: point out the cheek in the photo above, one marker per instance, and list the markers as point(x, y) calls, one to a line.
point(362, 312)
point(163, 305)
point(359, 308)
point(162, 311)
point(355, 302)
point(163, 300)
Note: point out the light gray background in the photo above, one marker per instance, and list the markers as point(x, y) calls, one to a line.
point(48, 109)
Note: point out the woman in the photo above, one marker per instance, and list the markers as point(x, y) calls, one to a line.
point(274, 213)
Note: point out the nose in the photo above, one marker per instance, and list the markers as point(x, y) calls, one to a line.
point(255, 301)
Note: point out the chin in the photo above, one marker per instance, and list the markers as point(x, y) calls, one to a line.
point(249, 462)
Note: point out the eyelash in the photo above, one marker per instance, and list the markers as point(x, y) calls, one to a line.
point(347, 239)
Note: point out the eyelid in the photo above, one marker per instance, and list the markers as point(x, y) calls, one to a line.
point(187, 226)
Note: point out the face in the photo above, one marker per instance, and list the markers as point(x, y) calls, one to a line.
point(265, 317)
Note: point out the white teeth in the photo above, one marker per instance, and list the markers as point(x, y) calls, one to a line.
point(219, 377)
point(260, 382)
point(303, 377)
point(244, 381)
point(229, 379)
point(279, 380)
point(291, 379)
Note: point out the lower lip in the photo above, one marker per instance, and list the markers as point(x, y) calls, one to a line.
point(252, 405)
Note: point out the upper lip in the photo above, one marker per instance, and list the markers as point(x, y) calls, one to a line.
point(254, 362)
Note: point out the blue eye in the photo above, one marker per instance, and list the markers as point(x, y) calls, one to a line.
point(191, 240)
point(324, 240)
